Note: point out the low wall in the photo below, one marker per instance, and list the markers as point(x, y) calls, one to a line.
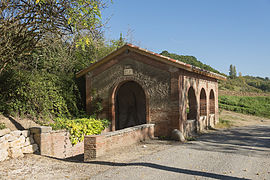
point(14, 144)
point(190, 128)
point(202, 125)
point(212, 120)
point(98, 145)
point(55, 143)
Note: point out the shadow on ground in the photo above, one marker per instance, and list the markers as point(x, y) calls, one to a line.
point(170, 169)
point(250, 141)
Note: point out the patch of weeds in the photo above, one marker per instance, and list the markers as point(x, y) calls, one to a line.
point(2, 126)
point(224, 123)
point(190, 138)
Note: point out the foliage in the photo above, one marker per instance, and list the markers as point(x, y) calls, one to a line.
point(189, 60)
point(259, 106)
point(2, 126)
point(246, 84)
point(190, 138)
point(24, 24)
point(224, 123)
point(38, 94)
point(232, 72)
point(43, 85)
point(78, 128)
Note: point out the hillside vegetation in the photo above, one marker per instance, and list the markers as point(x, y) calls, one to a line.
point(258, 106)
point(189, 60)
point(246, 84)
point(236, 90)
point(239, 84)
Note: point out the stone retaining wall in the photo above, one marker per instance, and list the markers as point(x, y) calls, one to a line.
point(14, 144)
point(55, 143)
point(98, 145)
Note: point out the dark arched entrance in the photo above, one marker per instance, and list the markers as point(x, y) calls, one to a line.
point(191, 105)
point(130, 105)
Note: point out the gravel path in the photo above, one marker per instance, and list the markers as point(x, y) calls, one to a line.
point(39, 167)
point(238, 153)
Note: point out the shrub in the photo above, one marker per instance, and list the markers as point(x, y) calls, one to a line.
point(78, 128)
point(39, 95)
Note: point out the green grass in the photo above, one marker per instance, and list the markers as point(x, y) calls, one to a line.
point(223, 123)
point(258, 106)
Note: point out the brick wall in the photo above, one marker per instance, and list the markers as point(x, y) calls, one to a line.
point(166, 89)
point(55, 143)
point(98, 145)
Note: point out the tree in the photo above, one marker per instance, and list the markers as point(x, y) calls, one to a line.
point(232, 71)
point(24, 23)
point(239, 74)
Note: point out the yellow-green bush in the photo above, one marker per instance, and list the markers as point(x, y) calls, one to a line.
point(78, 128)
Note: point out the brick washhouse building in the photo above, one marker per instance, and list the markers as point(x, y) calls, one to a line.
point(136, 86)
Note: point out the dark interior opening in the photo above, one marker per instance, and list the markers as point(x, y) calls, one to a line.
point(203, 106)
point(212, 102)
point(191, 105)
point(130, 105)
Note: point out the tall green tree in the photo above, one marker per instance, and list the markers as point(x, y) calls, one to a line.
point(232, 71)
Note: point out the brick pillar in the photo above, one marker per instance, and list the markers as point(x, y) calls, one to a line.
point(174, 101)
point(182, 103)
point(216, 104)
point(94, 146)
point(42, 137)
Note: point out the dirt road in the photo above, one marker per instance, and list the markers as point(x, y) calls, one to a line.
point(238, 153)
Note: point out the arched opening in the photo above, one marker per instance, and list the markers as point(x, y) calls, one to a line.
point(203, 106)
point(130, 105)
point(191, 105)
point(212, 102)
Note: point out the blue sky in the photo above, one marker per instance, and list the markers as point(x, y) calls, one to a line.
point(217, 32)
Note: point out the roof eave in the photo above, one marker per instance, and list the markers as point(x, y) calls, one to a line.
point(155, 56)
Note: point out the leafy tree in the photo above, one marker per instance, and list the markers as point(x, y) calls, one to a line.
point(25, 23)
point(232, 71)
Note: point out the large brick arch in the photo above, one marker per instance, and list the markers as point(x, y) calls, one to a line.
point(114, 91)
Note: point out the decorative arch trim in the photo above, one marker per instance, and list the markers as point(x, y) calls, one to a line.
point(113, 94)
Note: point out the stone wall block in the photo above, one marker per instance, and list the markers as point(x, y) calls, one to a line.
point(2, 139)
point(4, 132)
point(27, 141)
point(26, 133)
point(3, 154)
point(9, 137)
point(19, 142)
point(30, 149)
point(16, 133)
point(4, 145)
point(15, 152)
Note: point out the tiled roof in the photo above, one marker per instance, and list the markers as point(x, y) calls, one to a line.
point(156, 56)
